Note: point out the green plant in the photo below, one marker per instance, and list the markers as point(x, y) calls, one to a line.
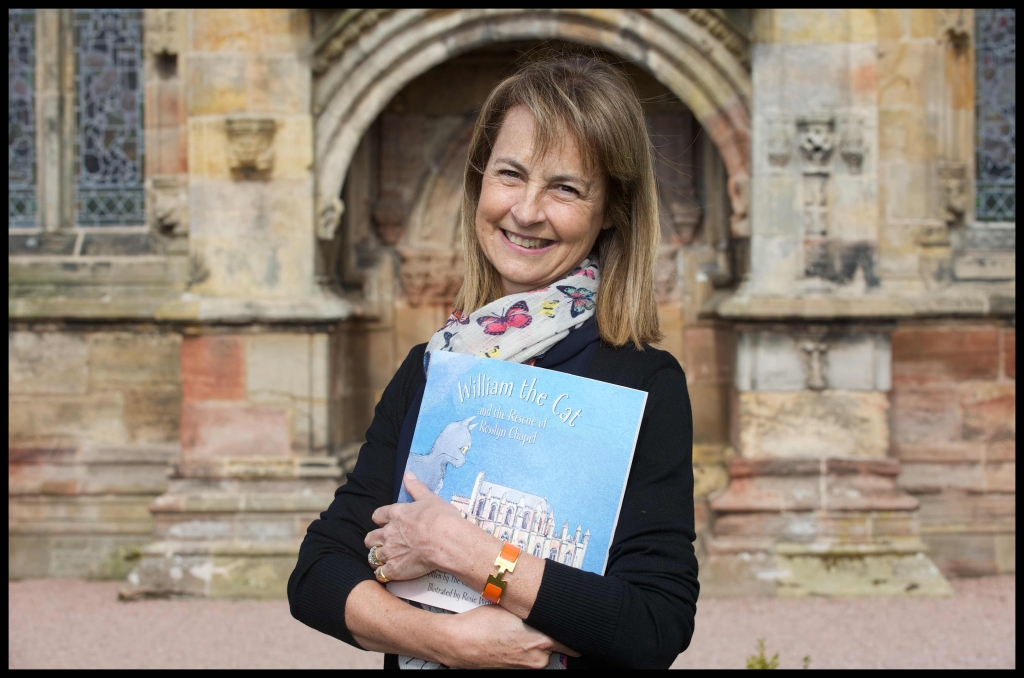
point(760, 661)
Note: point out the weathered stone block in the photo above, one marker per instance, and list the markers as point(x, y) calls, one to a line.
point(1001, 477)
point(224, 30)
point(960, 508)
point(47, 362)
point(905, 136)
point(262, 578)
point(918, 477)
point(132, 359)
point(927, 354)
point(280, 84)
point(904, 71)
point(774, 361)
point(926, 415)
point(811, 25)
point(768, 494)
point(1010, 353)
point(121, 244)
point(847, 424)
point(963, 554)
point(211, 431)
point(859, 363)
point(710, 354)
point(278, 366)
point(904, 190)
point(213, 368)
point(835, 570)
point(709, 405)
point(708, 478)
point(738, 575)
point(93, 556)
point(1006, 553)
point(96, 417)
point(817, 77)
point(218, 84)
point(153, 415)
point(989, 411)
point(799, 526)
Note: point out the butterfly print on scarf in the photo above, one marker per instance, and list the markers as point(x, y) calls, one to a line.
point(548, 308)
point(493, 353)
point(447, 341)
point(588, 272)
point(582, 299)
point(456, 318)
point(518, 316)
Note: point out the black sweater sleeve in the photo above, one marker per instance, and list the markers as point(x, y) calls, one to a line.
point(641, 613)
point(332, 558)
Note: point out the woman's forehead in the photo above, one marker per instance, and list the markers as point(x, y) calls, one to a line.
point(522, 140)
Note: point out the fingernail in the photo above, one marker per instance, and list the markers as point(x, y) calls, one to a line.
point(409, 476)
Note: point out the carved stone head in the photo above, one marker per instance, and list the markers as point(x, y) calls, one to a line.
point(250, 144)
point(817, 139)
point(953, 194)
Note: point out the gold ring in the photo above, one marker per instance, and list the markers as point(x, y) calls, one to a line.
point(381, 577)
point(373, 556)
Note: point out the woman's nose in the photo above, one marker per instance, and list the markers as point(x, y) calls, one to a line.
point(528, 209)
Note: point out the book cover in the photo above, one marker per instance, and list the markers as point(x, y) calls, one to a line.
point(535, 457)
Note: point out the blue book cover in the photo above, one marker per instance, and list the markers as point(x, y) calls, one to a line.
point(535, 457)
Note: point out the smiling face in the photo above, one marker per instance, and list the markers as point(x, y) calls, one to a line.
point(539, 215)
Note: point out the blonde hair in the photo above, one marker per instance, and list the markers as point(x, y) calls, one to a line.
point(597, 104)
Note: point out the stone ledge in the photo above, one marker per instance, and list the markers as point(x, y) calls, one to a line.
point(960, 303)
point(221, 548)
point(142, 528)
point(742, 468)
point(245, 503)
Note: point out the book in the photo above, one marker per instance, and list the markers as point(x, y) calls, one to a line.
point(535, 457)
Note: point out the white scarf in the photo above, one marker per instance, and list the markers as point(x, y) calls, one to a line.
point(521, 327)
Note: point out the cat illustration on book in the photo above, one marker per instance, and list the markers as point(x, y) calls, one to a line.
point(449, 448)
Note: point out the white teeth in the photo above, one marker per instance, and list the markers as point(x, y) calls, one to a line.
point(529, 243)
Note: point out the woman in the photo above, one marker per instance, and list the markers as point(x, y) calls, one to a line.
point(559, 191)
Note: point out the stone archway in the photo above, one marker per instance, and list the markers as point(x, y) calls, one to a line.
point(365, 57)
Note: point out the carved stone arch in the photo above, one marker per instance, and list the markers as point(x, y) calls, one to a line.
point(368, 56)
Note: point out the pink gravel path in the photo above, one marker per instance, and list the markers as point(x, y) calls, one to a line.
point(75, 624)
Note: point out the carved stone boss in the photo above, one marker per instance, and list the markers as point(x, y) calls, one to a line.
point(169, 205)
point(250, 145)
point(816, 141)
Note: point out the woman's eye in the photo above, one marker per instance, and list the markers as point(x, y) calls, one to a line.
point(568, 189)
point(511, 174)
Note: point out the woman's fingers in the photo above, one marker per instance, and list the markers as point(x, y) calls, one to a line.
point(385, 514)
point(373, 538)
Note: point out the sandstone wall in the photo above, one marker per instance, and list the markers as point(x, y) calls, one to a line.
point(93, 426)
point(954, 430)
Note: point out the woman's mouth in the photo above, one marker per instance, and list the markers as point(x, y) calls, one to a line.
point(527, 243)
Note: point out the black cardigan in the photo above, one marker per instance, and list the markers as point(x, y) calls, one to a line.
point(639, 614)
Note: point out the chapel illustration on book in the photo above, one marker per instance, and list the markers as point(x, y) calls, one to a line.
point(525, 520)
point(509, 444)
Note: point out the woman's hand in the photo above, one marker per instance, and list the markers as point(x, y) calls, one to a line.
point(491, 637)
point(416, 538)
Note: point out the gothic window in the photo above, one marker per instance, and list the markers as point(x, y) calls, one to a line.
point(494, 509)
point(996, 43)
point(526, 520)
point(553, 554)
point(480, 507)
point(504, 535)
point(21, 119)
point(536, 550)
point(109, 144)
point(567, 560)
point(508, 517)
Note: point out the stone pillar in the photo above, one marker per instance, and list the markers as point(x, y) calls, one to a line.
point(259, 358)
point(813, 506)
